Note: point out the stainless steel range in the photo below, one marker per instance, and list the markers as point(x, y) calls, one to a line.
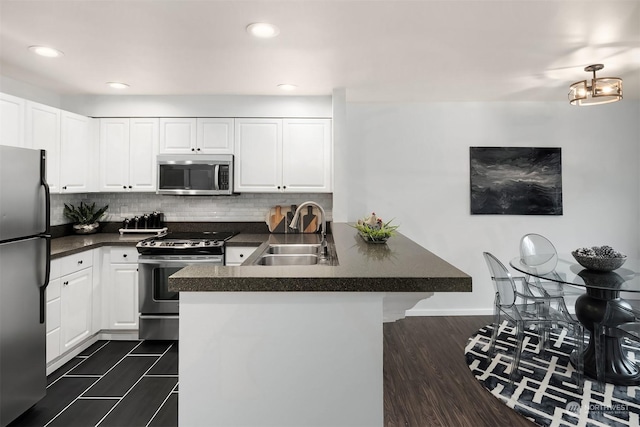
point(160, 257)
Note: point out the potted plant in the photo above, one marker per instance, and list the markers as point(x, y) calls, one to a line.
point(374, 230)
point(85, 217)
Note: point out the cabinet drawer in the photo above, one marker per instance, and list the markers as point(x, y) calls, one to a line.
point(236, 255)
point(124, 255)
point(72, 263)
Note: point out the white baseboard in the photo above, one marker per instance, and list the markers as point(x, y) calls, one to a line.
point(450, 312)
point(114, 335)
point(119, 335)
point(65, 357)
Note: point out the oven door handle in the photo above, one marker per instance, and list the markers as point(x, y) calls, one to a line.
point(184, 261)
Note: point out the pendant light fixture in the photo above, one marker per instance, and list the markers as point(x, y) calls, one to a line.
point(602, 90)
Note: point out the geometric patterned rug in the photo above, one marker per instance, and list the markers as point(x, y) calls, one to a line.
point(546, 390)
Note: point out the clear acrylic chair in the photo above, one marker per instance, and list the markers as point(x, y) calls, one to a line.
point(525, 310)
point(537, 252)
point(610, 326)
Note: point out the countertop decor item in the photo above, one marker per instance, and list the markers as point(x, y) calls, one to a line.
point(373, 230)
point(599, 258)
point(85, 217)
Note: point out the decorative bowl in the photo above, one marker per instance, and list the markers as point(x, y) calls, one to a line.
point(371, 239)
point(86, 228)
point(599, 263)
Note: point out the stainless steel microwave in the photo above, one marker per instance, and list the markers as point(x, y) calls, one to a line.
point(195, 174)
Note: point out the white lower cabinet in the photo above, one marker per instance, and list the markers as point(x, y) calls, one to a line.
point(53, 312)
point(76, 308)
point(122, 289)
point(69, 303)
point(236, 255)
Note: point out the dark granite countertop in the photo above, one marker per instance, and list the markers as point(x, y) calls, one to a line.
point(69, 245)
point(401, 265)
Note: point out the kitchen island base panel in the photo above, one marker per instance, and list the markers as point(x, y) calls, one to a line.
point(281, 359)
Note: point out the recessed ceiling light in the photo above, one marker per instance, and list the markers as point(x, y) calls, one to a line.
point(287, 87)
point(262, 30)
point(117, 85)
point(49, 52)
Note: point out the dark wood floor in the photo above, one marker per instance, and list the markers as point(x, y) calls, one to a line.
point(427, 382)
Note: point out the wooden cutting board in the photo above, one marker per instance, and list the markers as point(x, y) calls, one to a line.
point(276, 221)
point(309, 221)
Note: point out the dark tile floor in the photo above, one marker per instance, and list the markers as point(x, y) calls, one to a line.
point(112, 383)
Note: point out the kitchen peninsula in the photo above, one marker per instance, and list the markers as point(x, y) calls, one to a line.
point(298, 345)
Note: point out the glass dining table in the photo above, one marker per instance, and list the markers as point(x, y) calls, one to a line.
point(600, 289)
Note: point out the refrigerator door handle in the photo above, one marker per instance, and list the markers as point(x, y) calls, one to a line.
point(47, 232)
point(47, 276)
point(47, 191)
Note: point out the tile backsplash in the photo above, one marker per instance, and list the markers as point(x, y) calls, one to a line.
point(246, 207)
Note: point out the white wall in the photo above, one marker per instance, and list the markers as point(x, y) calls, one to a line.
point(27, 91)
point(411, 162)
point(198, 106)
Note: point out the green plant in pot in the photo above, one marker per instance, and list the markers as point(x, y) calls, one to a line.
point(85, 217)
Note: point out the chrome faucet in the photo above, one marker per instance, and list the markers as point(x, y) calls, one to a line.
point(323, 230)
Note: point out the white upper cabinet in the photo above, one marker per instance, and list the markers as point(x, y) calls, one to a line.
point(306, 155)
point(214, 136)
point(12, 112)
point(275, 155)
point(196, 136)
point(177, 135)
point(43, 132)
point(77, 153)
point(128, 149)
point(258, 155)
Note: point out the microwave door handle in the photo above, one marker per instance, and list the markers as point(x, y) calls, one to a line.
point(216, 177)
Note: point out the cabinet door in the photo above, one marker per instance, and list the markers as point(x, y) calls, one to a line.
point(258, 155)
point(43, 132)
point(123, 296)
point(114, 155)
point(177, 136)
point(215, 136)
point(12, 120)
point(76, 146)
point(53, 319)
point(306, 155)
point(76, 307)
point(143, 149)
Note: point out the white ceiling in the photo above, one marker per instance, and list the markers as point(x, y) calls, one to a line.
point(380, 51)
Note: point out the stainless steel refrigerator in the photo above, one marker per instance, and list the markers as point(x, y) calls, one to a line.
point(25, 244)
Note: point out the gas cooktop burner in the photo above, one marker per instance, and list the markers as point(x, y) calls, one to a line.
point(186, 243)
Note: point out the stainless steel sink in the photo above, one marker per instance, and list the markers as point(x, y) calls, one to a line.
point(294, 249)
point(296, 254)
point(287, 259)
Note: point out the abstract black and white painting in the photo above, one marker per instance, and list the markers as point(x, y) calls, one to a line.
point(516, 181)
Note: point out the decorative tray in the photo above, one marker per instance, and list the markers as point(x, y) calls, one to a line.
point(157, 231)
point(370, 239)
